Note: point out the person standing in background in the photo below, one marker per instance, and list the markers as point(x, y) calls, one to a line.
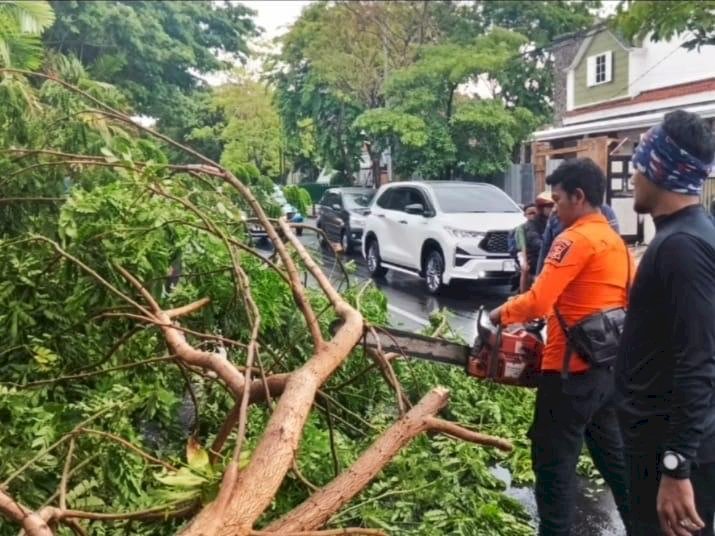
point(533, 232)
point(554, 227)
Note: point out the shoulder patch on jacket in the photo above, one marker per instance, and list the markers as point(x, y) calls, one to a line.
point(559, 250)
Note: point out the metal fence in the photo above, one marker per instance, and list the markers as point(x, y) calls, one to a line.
point(519, 183)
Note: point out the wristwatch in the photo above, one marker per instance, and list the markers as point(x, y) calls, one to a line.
point(675, 465)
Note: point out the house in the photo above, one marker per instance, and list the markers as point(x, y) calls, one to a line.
point(607, 93)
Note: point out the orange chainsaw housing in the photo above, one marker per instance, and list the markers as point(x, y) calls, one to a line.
point(510, 357)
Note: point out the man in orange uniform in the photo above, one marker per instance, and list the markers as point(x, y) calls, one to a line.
point(587, 271)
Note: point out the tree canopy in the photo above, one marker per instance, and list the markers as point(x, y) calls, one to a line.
point(363, 72)
point(21, 25)
point(155, 51)
point(252, 130)
point(693, 21)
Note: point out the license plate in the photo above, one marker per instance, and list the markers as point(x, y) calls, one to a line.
point(509, 266)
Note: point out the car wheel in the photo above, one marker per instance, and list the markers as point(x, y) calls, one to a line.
point(345, 241)
point(434, 270)
point(321, 238)
point(374, 263)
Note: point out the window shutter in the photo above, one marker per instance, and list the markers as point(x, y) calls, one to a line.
point(609, 66)
point(591, 71)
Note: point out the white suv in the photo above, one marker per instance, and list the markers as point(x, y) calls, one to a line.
point(441, 230)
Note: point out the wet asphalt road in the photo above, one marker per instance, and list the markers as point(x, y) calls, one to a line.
point(410, 306)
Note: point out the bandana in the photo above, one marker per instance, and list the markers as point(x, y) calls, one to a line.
point(660, 159)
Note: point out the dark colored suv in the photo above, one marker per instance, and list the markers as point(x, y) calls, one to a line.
point(341, 215)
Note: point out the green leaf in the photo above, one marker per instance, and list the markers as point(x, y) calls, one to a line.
point(196, 456)
point(184, 478)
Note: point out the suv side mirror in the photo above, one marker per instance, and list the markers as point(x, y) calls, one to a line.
point(415, 208)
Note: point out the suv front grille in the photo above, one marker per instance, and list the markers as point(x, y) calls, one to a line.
point(495, 242)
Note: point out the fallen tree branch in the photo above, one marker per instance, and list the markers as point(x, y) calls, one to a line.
point(319, 507)
point(53, 446)
point(126, 444)
point(327, 532)
point(65, 475)
point(31, 522)
point(177, 343)
point(455, 430)
point(240, 502)
point(84, 375)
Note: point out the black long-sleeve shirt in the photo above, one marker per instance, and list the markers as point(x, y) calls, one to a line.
point(666, 364)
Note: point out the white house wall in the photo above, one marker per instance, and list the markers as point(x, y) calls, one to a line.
point(667, 63)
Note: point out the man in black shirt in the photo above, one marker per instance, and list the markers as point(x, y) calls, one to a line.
point(666, 364)
point(533, 231)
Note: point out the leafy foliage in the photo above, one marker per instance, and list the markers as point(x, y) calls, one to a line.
point(251, 131)
point(691, 20)
point(21, 24)
point(526, 79)
point(298, 197)
point(454, 124)
point(152, 50)
point(380, 75)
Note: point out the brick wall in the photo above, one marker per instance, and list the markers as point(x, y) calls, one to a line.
point(668, 92)
point(563, 54)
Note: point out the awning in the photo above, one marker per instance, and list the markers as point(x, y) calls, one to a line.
point(620, 123)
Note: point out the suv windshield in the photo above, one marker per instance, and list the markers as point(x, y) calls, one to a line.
point(456, 198)
point(356, 201)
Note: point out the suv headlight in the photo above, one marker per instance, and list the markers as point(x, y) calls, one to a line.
point(464, 233)
point(357, 221)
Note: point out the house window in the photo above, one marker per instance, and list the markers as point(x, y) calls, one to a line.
point(600, 68)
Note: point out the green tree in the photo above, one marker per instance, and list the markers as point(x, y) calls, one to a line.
point(21, 25)
point(155, 51)
point(251, 130)
point(306, 103)
point(526, 80)
point(334, 65)
point(428, 89)
point(692, 20)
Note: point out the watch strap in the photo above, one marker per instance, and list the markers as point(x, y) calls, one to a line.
point(682, 471)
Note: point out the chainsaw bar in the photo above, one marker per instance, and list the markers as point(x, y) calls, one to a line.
point(419, 346)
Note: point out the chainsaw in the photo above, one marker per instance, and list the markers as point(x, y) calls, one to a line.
point(510, 356)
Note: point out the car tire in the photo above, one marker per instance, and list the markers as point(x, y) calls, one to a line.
point(374, 262)
point(434, 271)
point(345, 241)
point(321, 237)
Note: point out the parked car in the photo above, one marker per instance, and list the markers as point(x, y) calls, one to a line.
point(290, 213)
point(341, 215)
point(441, 231)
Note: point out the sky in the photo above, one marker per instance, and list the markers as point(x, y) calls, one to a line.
point(274, 16)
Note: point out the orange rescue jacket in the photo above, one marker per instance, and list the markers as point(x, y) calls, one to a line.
point(586, 271)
